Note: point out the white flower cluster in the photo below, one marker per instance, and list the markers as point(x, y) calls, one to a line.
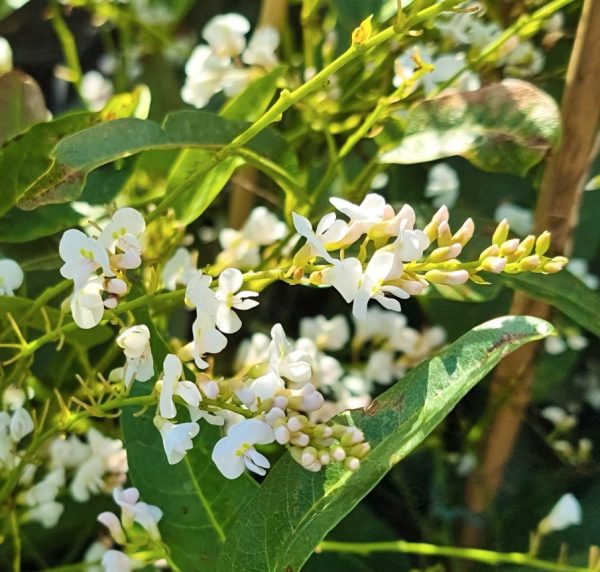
point(563, 422)
point(241, 248)
point(218, 65)
point(11, 277)
point(92, 467)
point(137, 526)
point(397, 270)
point(117, 249)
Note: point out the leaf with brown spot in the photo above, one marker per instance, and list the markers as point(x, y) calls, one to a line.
point(507, 127)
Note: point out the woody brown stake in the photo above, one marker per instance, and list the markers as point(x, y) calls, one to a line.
point(557, 210)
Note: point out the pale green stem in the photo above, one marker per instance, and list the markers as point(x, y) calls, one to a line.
point(69, 46)
point(495, 45)
point(484, 556)
point(16, 538)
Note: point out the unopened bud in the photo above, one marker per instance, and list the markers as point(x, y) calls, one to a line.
point(111, 521)
point(451, 278)
point(322, 431)
point(352, 464)
point(280, 401)
point(360, 450)
point(282, 434)
point(509, 246)
point(492, 250)
point(313, 467)
point(555, 265)
point(111, 302)
point(444, 234)
point(352, 437)
point(309, 456)
point(526, 246)
point(445, 253)
point(338, 453)
point(464, 233)
point(295, 424)
point(298, 273)
point(493, 264)
point(542, 244)
point(209, 388)
point(273, 415)
point(501, 232)
point(116, 286)
point(316, 278)
point(324, 458)
point(431, 230)
point(529, 263)
point(300, 439)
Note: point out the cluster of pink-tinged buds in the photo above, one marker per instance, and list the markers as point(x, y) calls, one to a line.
point(315, 445)
point(441, 265)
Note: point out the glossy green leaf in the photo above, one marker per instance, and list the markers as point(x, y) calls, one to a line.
point(202, 188)
point(198, 503)
point(86, 150)
point(293, 510)
point(507, 127)
point(21, 104)
point(565, 292)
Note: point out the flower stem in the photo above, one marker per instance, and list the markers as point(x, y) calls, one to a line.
point(484, 556)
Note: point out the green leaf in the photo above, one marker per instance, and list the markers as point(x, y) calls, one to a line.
point(279, 528)
point(251, 103)
point(198, 503)
point(565, 292)
point(21, 104)
point(86, 150)
point(507, 127)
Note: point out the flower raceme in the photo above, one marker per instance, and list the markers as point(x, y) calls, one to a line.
point(391, 262)
point(117, 249)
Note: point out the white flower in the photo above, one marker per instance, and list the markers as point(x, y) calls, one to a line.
point(148, 516)
point(284, 360)
point(230, 281)
point(21, 424)
point(442, 185)
point(236, 451)
point(11, 277)
point(83, 256)
point(446, 67)
point(179, 269)
point(5, 56)
point(96, 89)
point(13, 397)
point(87, 305)
point(561, 420)
point(172, 385)
point(127, 500)
point(524, 61)
point(207, 339)
point(94, 554)
point(261, 48)
point(204, 76)
point(122, 234)
point(177, 438)
point(519, 218)
point(345, 276)
point(47, 514)
point(106, 456)
point(199, 294)
point(225, 34)
point(555, 345)
point(380, 367)
point(68, 453)
point(566, 512)
point(241, 247)
point(327, 334)
point(331, 233)
point(135, 342)
point(117, 561)
point(253, 351)
point(46, 490)
point(379, 269)
point(132, 511)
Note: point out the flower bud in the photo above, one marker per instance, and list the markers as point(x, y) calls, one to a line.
point(280, 401)
point(464, 233)
point(555, 264)
point(300, 439)
point(295, 424)
point(492, 250)
point(111, 302)
point(322, 431)
point(116, 286)
point(451, 278)
point(542, 243)
point(309, 456)
point(282, 434)
point(431, 230)
point(273, 415)
point(352, 437)
point(509, 246)
point(111, 521)
point(493, 264)
point(529, 263)
point(360, 450)
point(209, 388)
point(501, 232)
point(338, 453)
point(352, 464)
point(445, 253)
point(324, 458)
point(444, 234)
point(526, 246)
